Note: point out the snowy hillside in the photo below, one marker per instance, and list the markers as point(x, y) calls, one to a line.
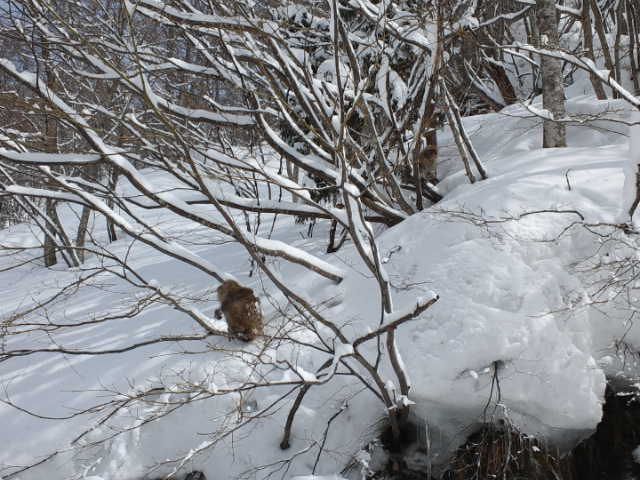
point(521, 330)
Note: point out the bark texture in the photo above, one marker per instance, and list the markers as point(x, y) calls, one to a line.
point(552, 79)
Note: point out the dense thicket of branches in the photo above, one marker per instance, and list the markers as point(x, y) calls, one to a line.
point(325, 84)
point(324, 110)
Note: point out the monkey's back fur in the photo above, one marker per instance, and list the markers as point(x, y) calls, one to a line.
point(241, 309)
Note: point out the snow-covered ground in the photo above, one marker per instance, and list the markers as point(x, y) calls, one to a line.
point(519, 331)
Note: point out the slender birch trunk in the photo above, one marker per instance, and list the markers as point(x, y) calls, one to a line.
point(554, 132)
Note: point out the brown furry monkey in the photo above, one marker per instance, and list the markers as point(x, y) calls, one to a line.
point(241, 310)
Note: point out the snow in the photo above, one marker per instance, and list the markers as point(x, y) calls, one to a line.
point(49, 158)
point(343, 350)
point(540, 112)
point(636, 454)
point(278, 248)
point(317, 477)
point(514, 306)
point(634, 138)
point(410, 308)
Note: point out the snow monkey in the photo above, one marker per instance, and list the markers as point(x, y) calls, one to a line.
point(241, 310)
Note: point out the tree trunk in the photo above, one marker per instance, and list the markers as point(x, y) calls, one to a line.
point(51, 146)
point(604, 44)
point(501, 79)
point(113, 183)
point(49, 245)
point(621, 29)
point(554, 132)
point(82, 232)
point(634, 50)
point(588, 47)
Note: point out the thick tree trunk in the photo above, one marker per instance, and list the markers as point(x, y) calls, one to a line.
point(554, 132)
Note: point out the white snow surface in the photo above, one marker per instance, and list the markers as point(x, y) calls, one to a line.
point(636, 454)
point(513, 333)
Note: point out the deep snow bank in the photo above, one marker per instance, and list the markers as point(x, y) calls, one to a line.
point(515, 332)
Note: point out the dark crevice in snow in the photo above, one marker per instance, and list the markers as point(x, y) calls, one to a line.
point(500, 451)
point(609, 452)
point(195, 475)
